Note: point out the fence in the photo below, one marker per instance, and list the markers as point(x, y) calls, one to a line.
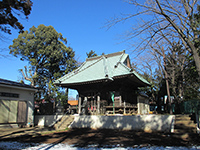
point(190, 106)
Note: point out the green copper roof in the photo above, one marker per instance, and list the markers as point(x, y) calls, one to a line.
point(97, 69)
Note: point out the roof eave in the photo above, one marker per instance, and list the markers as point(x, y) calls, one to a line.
point(84, 83)
point(20, 87)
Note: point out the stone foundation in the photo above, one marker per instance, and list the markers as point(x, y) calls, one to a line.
point(147, 123)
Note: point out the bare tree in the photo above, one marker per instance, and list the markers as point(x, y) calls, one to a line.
point(145, 66)
point(173, 18)
point(159, 54)
point(28, 74)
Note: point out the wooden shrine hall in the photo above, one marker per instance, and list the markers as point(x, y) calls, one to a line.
point(107, 84)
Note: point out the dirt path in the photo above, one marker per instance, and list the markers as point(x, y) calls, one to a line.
point(100, 137)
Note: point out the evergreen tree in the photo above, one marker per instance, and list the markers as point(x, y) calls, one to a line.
point(48, 56)
point(91, 54)
point(8, 9)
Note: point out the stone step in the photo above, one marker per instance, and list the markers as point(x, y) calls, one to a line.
point(184, 124)
point(64, 122)
point(181, 131)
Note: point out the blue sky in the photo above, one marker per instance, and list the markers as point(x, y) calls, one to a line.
point(80, 21)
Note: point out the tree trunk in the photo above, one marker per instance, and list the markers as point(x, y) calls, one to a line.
point(168, 94)
point(167, 83)
point(196, 60)
point(173, 74)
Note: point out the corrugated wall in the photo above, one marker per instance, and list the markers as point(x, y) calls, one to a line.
point(12, 111)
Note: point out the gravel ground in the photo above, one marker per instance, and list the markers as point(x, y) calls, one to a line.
point(82, 139)
point(65, 146)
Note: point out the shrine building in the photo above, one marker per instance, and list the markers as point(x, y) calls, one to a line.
point(107, 85)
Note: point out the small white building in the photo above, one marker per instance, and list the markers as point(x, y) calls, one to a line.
point(16, 103)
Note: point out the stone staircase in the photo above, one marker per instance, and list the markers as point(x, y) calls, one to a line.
point(64, 122)
point(184, 127)
point(183, 123)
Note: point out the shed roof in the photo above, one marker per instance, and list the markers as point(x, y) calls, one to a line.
point(15, 84)
point(73, 102)
point(101, 68)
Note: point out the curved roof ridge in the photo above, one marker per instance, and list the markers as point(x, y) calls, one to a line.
point(109, 67)
point(106, 55)
point(119, 60)
point(105, 65)
point(140, 77)
point(93, 58)
point(121, 56)
point(134, 72)
point(106, 69)
point(129, 69)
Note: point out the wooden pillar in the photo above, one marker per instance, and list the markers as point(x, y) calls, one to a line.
point(125, 98)
point(92, 105)
point(79, 105)
point(95, 106)
point(85, 102)
point(124, 107)
point(85, 106)
point(98, 104)
point(138, 104)
point(120, 100)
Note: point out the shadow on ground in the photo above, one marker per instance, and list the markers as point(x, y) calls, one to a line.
point(108, 137)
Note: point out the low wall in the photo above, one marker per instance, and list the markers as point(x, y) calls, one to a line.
point(46, 120)
point(147, 123)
